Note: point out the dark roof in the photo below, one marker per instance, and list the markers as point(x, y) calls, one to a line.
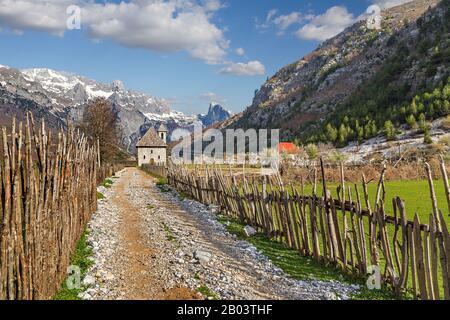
point(151, 139)
point(162, 128)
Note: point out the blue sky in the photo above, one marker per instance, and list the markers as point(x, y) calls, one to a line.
point(189, 53)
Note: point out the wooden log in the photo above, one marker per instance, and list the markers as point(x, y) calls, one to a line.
point(355, 240)
point(294, 218)
point(306, 241)
point(372, 225)
point(362, 237)
point(420, 268)
point(405, 247)
point(323, 230)
point(445, 181)
point(395, 244)
point(444, 251)
point(427, 264)
point(434, 259)
point(344, 214)
point(314, 229)
point(432, 194)
point(385, 244)
point(412, 247)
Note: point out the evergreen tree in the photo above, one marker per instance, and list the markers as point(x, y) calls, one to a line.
point(331, 133)
point(342, 135)
point(411, 121)
point(422, 122)
point(389, 130)
point(427, 137)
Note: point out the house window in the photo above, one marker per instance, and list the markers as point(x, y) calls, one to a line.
point(151, 151)
point(162, 136)
point(144, 157)
point(159, 157)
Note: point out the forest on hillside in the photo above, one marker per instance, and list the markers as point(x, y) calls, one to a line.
point(386, 102)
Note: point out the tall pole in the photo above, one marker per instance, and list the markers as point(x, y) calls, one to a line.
point(98, 153)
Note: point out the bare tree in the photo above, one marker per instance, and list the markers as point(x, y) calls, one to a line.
point(100, 123)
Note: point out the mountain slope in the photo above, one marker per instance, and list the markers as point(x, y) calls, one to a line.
point(60, 96)
point(303, 96)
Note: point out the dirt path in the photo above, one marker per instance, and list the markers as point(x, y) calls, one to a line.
point(150, 244)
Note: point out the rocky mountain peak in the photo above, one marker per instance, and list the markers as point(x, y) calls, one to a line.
point(216, 113)
point(118, 85)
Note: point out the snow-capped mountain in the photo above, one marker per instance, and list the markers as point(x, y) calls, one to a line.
point(78, 90)
point(63, 96)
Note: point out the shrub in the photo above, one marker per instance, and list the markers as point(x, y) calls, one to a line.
point(411, 121)
point(427, 137)
point(312, 151)
point(445, 124)
point(389, 130)
point(337, 157)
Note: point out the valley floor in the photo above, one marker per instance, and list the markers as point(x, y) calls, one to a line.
point(153, 244)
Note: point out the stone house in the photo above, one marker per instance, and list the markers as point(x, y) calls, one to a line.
point(152, 148)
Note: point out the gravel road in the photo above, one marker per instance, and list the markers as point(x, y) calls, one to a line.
point(149, 244)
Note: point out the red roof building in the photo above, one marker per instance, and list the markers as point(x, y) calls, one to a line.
point(287, 147)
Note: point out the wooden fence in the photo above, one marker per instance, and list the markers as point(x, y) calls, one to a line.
point(349, 232)
point(160, 171)
point(47, 195)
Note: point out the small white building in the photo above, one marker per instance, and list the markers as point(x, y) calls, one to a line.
point(152, 148)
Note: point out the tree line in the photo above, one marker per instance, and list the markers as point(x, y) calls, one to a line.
point(416, 116)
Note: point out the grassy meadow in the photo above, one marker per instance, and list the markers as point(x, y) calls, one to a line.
point(415, 194)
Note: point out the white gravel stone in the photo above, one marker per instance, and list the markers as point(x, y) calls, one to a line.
point(202, 256)
point(89, 280)
point(249, 231)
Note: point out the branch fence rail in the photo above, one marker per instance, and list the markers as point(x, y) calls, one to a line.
point(48, 192)
point(349, 232)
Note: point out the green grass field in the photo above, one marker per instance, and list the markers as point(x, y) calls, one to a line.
point(415, 194)
point(417, 199)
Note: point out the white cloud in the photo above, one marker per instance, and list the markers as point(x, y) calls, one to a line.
point(240, 51)
point(271, 14)
point(157, 25)
point(327, 25)
point(281, 22)
point(384, 4)
point(162, 26)
point(251, 68)
point(285, 21)
point(47, 16)
point(212, 97)
point(266, 23)
point(212, 5)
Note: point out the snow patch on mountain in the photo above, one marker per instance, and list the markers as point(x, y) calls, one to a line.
point(92, 93)
point(176, 116)
point(65, 95)
point(63, 82)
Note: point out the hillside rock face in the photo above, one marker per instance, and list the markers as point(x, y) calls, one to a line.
point(305, 92)
point(216, 113)
point(59, 96)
